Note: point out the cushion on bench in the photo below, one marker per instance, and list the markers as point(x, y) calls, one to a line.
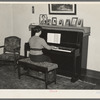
point(50, 66)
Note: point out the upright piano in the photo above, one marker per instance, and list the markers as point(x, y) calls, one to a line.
point(73, 49)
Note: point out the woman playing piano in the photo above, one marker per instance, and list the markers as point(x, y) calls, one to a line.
point(36, 45)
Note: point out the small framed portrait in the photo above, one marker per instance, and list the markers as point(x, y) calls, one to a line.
point(33, 9)
point(54, 20)
point(80, 23)
point(43, 19)
point(67, 23)
point(74, 21)
point(49, 22)
point(61, 22)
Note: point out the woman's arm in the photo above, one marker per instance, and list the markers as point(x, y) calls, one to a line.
point(46, 46)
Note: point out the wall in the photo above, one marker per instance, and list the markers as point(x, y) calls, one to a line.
point(6, 22)
point(22, 17)
point(91, 16)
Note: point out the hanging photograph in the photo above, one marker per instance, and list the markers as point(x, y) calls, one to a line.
point(65, 9)
point(33, 9)
point(43, 19)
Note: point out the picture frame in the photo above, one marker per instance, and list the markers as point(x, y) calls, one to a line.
point(49, 22)
point(32, 9)
point(80, 23)
point(74, 21)
point(67, 22)
point(54, 20)
point(61, 22)
point(43, 19)
point(62, 9)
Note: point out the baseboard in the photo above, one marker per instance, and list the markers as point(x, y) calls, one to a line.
point(91, 73)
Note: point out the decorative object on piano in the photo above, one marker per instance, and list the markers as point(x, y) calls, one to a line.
point(67, 23)
point(49, 22)
point(61, 22)
point(54, 20)
point(65, 9)
point(43, 19)
point(32, 9)
point(80, 23)
point(74, 21)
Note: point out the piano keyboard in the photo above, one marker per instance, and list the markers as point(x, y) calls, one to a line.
point(64, 49)
point(57, 49)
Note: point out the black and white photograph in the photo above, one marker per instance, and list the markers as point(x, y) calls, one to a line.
point(65, 9)
point(43, 19)
point(49, 22)
point(67, 22)
point(33, 9)
point(80, 23)
point(54, 20)
point(74, 21)
point(57, 54)
point(61, 22)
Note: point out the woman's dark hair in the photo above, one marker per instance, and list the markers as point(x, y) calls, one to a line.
point(37, 28)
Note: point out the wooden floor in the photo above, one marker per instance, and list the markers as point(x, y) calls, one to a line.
point(94, 81)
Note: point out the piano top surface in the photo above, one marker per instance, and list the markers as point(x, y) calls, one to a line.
point(84, 30)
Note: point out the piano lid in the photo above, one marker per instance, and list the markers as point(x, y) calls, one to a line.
point(85, 30)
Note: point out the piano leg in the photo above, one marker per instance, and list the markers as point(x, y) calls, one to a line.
point(74, 79)
point(74, 74)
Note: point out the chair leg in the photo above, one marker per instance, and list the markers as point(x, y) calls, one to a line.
point(19, 71)
point(15, 64)
point(46, 79)
point(28, 71)
point(55, 76)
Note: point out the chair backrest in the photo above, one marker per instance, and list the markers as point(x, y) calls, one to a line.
point(12, 42)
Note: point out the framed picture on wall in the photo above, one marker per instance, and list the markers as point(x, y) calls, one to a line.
point(43, 19)
point(74, 21)
point(65, 9)
point(54, 20)
point(61, 22)
point(33, 9)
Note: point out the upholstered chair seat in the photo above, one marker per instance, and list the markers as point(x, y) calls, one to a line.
point(9, 57)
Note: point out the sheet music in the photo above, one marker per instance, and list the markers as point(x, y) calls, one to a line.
point(53, 38)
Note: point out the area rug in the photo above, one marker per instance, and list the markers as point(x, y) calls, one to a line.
point(9, 80)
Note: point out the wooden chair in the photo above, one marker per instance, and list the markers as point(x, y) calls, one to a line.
point(11, 50)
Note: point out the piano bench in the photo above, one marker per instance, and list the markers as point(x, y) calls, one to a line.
point(47, 68)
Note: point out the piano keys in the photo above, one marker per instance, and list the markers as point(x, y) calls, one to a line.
point(63, 49)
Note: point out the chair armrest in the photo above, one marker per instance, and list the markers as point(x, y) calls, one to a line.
point(1, 46)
